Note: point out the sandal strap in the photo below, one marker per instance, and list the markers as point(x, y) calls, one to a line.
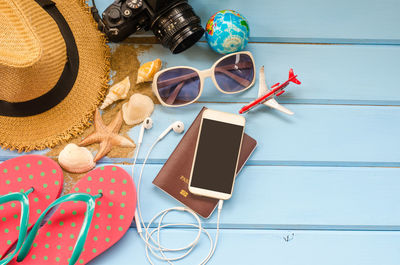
point(90, 205)
point(23, 199)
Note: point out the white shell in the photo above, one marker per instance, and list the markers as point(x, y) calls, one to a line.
point(117, 92)
point(76, 159)
point(137, 109)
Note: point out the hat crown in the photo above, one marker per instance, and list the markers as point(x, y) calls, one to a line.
point(19, 44)
point(80, 53)
point(32, 51)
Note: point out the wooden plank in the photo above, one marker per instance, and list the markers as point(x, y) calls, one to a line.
point(268, 247)
point(330, 74)
point(316, 135)
point(7, 154)
point(294, 198)
point(316, 198)
point(312, 21)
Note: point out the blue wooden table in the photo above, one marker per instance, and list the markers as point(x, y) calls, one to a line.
point(323, 185)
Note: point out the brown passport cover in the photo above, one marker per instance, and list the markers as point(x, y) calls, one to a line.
point(173, 177)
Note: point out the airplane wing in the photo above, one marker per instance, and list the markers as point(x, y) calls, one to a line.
point(272, 103)
point(263, 89)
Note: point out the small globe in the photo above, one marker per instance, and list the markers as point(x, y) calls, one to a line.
point(227, 31)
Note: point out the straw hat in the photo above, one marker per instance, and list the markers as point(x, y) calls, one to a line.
point(54, 67)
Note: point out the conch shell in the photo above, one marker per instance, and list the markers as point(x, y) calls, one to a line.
point(138, 108)
point(147, 71)
point(76, 159)
point(117, 92)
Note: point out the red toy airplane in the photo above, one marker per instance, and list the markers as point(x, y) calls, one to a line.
point(266, 96)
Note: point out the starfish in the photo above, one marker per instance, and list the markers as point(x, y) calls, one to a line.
point(107, 136)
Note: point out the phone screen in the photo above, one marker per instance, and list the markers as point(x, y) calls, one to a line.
point(216, 158)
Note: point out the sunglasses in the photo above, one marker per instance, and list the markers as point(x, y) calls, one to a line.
point(182, 85)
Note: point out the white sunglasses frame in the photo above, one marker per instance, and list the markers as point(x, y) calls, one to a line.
point(203, 74)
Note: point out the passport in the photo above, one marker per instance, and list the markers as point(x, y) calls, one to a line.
point(173, 177)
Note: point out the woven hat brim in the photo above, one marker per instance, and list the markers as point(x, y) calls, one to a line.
point(70, 117)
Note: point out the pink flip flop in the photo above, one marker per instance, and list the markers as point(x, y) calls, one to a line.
point(19, 175)
point(78, 232)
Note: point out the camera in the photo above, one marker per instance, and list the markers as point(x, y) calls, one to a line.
point(173, 22)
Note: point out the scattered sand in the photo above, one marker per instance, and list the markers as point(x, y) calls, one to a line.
point(124, 61)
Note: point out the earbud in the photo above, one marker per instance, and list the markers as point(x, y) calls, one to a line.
point(177, 126)
point(147, 124)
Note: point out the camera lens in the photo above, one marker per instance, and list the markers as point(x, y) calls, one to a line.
point(178, 28)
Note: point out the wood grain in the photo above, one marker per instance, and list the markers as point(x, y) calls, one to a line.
point(310, 21)
point(269, 247)
point(330, 74)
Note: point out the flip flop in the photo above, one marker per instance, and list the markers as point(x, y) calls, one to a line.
point(18, 175)
point(22, 198)
point(78, 232)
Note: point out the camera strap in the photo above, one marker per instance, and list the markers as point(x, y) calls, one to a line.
point(95, 13)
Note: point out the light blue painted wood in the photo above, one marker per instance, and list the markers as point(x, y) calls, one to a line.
point(295, 198)
point(354, 194)
point(330, 74)
point(332, 82)
point(313, 21)
point(316, 135)
point(238, 247)
point(321, 198)
point(7, 154)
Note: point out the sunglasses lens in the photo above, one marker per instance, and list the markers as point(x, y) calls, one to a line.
point(178, 86)
point(235, 73)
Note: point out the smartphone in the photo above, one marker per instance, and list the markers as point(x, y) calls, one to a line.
point(217, 154)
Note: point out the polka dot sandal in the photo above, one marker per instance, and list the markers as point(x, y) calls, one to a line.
point(20, 205)
point(88, 221)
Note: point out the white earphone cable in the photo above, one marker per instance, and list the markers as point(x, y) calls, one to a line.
point(154, 245)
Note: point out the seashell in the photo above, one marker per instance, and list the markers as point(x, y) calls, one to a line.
point(76, 159)
point(138, 108)
point(117, 92)
point(147, 71)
